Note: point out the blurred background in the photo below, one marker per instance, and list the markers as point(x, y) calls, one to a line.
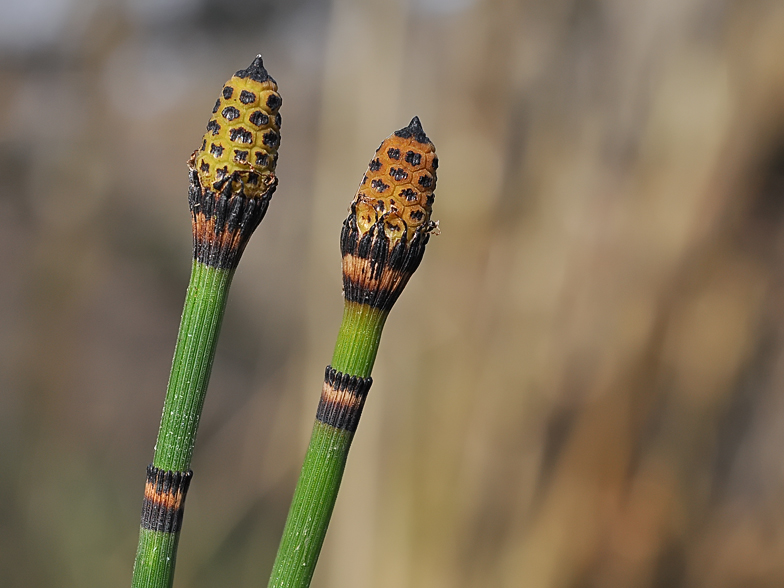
point(581, 386)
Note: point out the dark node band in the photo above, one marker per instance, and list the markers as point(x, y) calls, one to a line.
point(164, 499)
point(373, 272)
point(223, 221)
point(342, 399)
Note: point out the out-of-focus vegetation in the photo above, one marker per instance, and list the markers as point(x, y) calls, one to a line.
point(582, 385)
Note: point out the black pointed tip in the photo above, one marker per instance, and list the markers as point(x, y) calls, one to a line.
point(415, 130)
point(255, 71)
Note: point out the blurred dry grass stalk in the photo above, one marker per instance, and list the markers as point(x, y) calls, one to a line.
point(593, 395)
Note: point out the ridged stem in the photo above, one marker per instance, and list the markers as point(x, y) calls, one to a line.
point(155, 559)
point(197, 339)
point(382, 242)
point(319, 481)
point(358, 339)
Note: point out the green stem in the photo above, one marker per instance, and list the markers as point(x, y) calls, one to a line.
point(197, 340)
point(382, 243)
point(202, 315)
point(228, 197)
point(311, 507)
point(155, 559)
point(319, 482)
point(358, 338)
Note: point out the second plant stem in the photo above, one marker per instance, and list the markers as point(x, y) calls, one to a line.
point(382, 243)
point(322, 471)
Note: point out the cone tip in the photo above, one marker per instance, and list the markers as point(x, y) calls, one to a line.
point(415, 130)
point(255, 71)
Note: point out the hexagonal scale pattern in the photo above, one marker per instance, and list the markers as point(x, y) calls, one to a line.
point(243, 134)
point(399, 184)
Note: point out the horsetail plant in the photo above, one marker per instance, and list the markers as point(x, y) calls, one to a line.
point(382, 243)
point(232, 179)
